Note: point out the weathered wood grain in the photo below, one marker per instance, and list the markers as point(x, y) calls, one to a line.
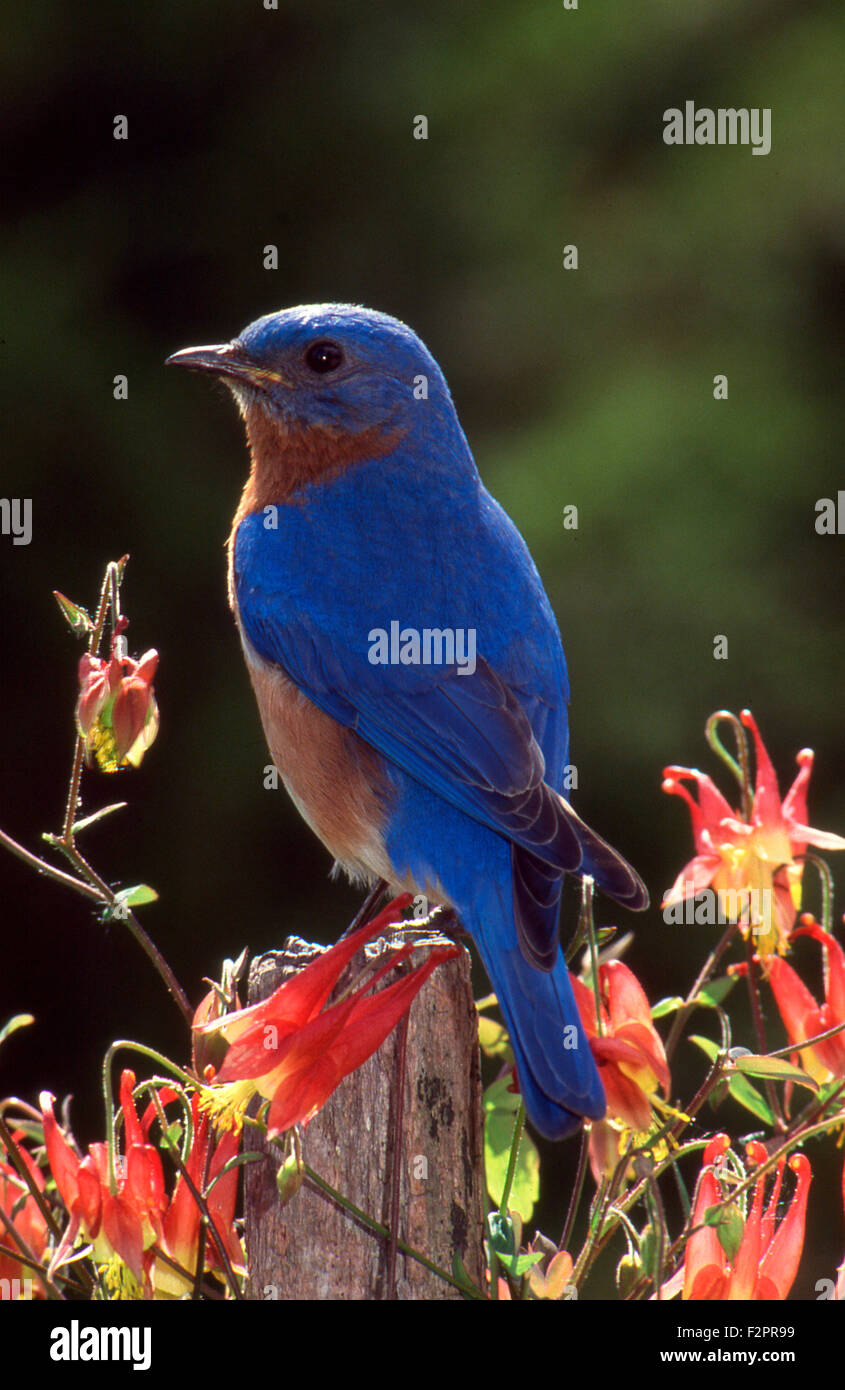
point(312, 1248)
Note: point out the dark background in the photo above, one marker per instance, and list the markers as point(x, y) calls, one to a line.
point(592, 387)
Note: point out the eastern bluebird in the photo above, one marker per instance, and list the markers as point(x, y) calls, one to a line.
point(406, 661)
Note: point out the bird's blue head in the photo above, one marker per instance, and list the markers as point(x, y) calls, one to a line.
point(333, 367)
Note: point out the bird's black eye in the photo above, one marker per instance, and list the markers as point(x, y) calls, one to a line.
point(324, 357)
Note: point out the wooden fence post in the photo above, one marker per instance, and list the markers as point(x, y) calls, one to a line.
point(312, 1248)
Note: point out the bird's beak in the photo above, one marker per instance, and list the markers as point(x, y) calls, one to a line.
point(226, 360)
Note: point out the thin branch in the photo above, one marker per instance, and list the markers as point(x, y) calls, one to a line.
point(760, 1030)
point(577, 1189)
point(701, 979)
point(43, 868)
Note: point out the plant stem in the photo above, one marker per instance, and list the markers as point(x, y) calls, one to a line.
point(107, 896)
point(760, 1030)
point(41, 867)
point(827, 889)
point(79, 748)
point(28, 1256)
point(741, 770)
point(809, 1042)
point(577, 1189)
point(519, 1125)
point(604, 1231)
point(208, 1226)
point(703, 976)
point(587, 917)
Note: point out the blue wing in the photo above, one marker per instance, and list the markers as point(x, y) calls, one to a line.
point(492, 743)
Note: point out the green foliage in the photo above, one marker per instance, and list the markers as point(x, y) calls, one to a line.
point(500, 1109)
point(729, 1224)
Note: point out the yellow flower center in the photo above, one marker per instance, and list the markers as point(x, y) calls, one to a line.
point(119, 1280)
point(226, 1104)
point(745, 885)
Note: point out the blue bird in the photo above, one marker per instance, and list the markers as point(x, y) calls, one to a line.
point(407, 665)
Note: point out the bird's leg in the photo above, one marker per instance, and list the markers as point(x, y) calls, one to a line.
point(366, 909)
point(448, 923)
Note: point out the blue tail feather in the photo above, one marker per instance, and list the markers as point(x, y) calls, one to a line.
point(557, 1074)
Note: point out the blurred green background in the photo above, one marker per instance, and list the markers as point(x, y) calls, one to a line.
point(591, 386)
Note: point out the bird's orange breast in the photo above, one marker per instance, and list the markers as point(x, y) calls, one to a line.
point(284, 459)
point(338, 783)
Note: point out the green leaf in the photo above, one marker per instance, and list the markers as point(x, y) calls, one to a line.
point(717, 1095)
point(712, 994)
point(250, 1156)
point(776, 1068)
point(172, 1136)
point(78, 618)
point(710, 1048)
point(648, 1249)
point(517, 1265)
point(748, 1096)
point(826, 1090)
point(135, 897)
point(460, 1273)
point(97, 815)
point(739, 1086)
point(500, 1230)
point(667, 1006)
point(500, 1106)
point(729, 1226)
point(14, 1023)
point(499, 1097)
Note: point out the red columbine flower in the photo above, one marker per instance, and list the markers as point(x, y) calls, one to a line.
point(768, 1256)
point(755, 868)
point(17, 1201)
point(630, 1058)
point(123, 1224)
point(294, 1052)
point(182, 1222)
point(116, 713)
point(802, 1017)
